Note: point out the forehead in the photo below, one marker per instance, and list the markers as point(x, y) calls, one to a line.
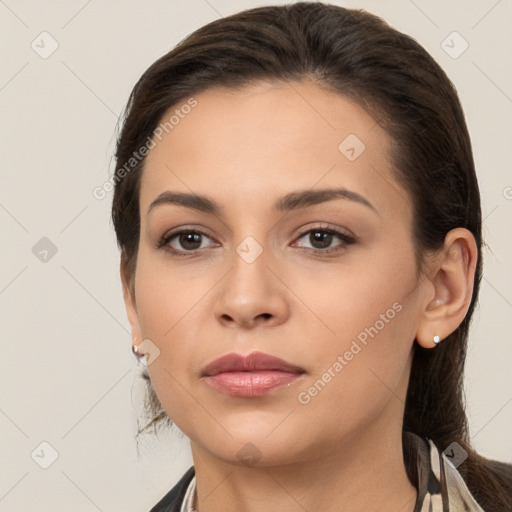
point(266, 139)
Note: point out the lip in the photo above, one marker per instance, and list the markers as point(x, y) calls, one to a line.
point(251, 375)
point(249, 363)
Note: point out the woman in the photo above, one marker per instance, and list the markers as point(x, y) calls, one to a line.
point(300, 230)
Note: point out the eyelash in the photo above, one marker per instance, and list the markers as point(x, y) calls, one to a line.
point(346, 240)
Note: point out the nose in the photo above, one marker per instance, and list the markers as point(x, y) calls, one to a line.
point(251, 295)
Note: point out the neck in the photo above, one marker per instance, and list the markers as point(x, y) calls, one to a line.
point(365, 472)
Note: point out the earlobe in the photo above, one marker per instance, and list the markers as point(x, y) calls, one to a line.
point(452, 275)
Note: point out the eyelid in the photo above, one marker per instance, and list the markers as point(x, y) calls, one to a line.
point(325, 226)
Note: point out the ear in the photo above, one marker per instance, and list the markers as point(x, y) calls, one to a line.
point(128, 284)
point(451, 276)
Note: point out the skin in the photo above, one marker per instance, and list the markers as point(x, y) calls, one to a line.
point(245, 149)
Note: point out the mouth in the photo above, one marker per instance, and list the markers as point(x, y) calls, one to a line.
point(250, 376)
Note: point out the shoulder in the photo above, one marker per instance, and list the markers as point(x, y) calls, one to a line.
point(172, 501)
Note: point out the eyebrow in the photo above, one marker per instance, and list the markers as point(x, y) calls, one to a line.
point(292, 201)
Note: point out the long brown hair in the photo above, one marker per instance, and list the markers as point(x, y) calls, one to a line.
point(359, 55)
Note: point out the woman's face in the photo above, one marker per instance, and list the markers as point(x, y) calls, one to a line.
point(262, 274)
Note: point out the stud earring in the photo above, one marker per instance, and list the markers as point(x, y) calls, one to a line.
point(437, 339)
point(140, 357)
point(135, 350)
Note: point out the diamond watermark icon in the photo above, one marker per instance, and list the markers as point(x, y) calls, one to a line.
point(44, 455)
point(150, 351)
point(249, 249)
point(454, 45)
point(44, 45)
point(455, 454)
point(44, 250)
point(351, 147)
point(249, 454)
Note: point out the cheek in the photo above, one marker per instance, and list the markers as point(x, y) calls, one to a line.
point(167, 317)
point(174, 313)
point(166, 297)
point(361, 371)
point(367, 293)
point(163, 304)
point(372, 318)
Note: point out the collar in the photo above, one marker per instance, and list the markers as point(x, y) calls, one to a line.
point(188, 500)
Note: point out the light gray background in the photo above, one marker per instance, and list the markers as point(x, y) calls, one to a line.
point(67, 373)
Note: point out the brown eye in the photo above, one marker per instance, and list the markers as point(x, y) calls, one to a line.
point(189, 240)
point(322, 239)
point(183, 242)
